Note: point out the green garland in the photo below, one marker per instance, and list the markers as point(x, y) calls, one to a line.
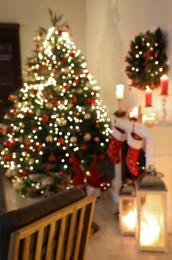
point(147, 60)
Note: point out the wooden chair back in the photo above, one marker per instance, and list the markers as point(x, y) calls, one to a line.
point(62, 235)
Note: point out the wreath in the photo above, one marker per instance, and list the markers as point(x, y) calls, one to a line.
point(147, 60)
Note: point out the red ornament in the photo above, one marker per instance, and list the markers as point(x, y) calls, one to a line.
point(8, 158)
point(38, 147)
point(28, 114)
point(63, 60)
point(67, 27)
point(67, 87)
point(45, 118)
point(83, 147)
point(47, 92)
point(74, 115)
point(156, 55)
point(74, 99)
point(55, 73)
point(61, 140)
point(40, 34)
point(11, 98)
point(72, 55)
point(37, 46)
point(60, 33)
point(76, 81)
point(61, 173)
point(48, 167)
point(97, 126)
point(35, 91)
point(14, 111)
point(55, 101)
point(24, 174)
point(8, 144)
point(52, 158)
point(26, 148)
point(9, 129)
point(91, 101)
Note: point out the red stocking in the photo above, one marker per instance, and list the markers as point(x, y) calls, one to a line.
point(135, 143)
point(114, 148)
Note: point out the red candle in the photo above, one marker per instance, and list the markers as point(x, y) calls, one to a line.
point(148, 97)
point(164, 85)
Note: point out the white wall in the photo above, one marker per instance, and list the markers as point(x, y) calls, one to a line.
point(102, 29)
point(31, 14)
point(111, 25)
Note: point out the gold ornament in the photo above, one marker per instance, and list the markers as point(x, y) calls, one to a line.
point(87, 116)
point(70, 105)
point(49, 105)
point(96, 139)
point(87, 137)
point(49, 138)
point(38, 112)
point(31, 161)
point(80, 91)
point(73, 139)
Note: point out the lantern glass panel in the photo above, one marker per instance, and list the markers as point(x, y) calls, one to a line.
point(152, 220)
point(128, 215)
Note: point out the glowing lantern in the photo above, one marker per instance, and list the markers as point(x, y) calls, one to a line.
point(127, 210)
point(151, 209)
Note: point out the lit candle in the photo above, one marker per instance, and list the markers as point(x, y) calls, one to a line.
point(164, 85)
point(148, 97)
point(119, 91)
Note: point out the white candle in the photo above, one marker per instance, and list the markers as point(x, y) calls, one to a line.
point(119, 91)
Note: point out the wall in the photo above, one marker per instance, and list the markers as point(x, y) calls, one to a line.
point(111, 25)
point(102, 29)
point(33, 14)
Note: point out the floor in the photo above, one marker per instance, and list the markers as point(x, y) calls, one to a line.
point(109, 244)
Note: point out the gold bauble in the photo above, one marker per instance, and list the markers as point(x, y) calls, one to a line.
point(49, 138)
point(73, 139)
point(70, 105)
point(96, 139)
point(87, 137)
point(49, 105)
point(87, 116)
point(80, 90)
point(38, 112)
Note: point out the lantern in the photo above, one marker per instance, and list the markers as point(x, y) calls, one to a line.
point(151, 199)
point(127, 210)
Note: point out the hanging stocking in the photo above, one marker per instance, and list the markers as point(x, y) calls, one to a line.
point(93, 181)
point(78, 179)
point(114, 148)
point(135, 143)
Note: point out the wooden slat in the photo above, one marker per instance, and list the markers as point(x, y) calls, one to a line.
point(26, 248)
point(71, 233)
point(61, 238)
point(79, 234)
point(39, 242)
point(50, 241)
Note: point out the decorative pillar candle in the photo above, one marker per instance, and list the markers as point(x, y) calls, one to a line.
point(164, 85)
point(119, 91)
point(148, 97)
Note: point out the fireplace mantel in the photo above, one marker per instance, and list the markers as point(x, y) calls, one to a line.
point(157, 145)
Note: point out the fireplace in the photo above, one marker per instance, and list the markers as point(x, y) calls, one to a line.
point(156, 150)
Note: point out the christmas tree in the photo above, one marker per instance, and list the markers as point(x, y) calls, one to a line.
point(147, 59)
point(55, 114)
